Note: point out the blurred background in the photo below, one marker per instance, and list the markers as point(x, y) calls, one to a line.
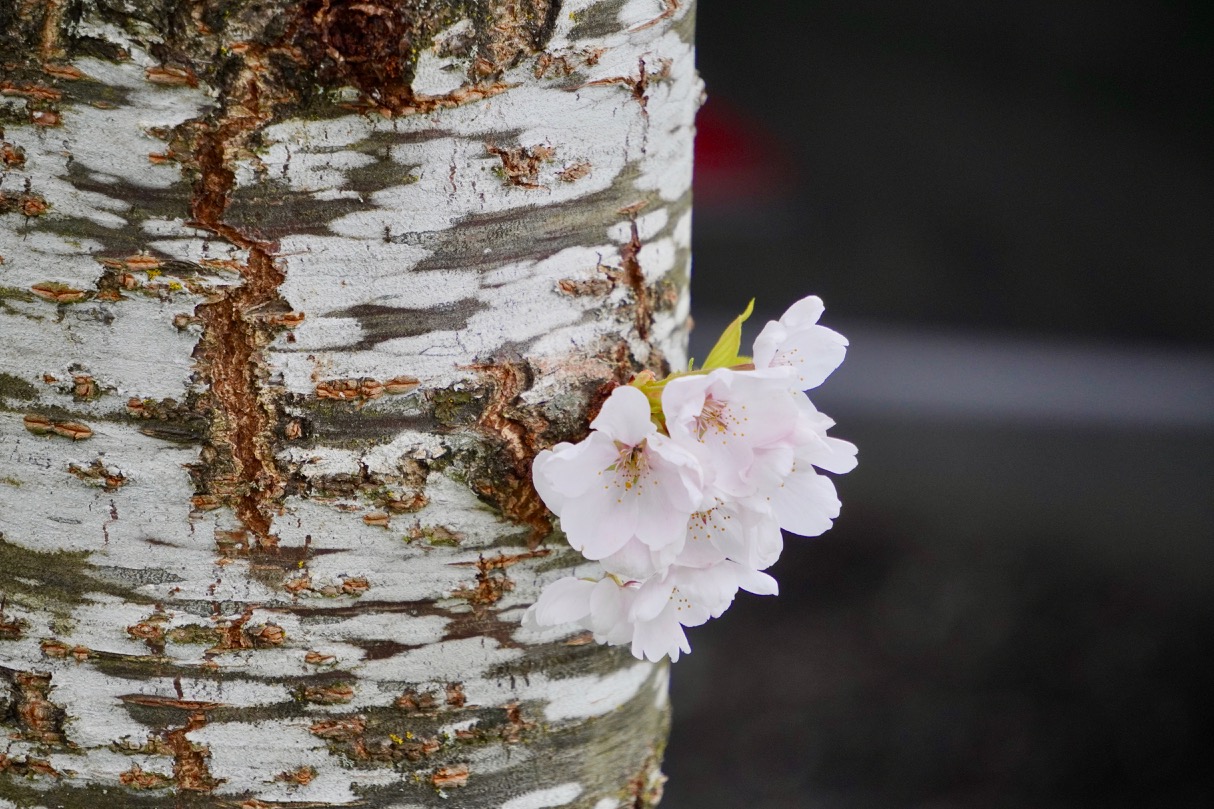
point(1008, 208)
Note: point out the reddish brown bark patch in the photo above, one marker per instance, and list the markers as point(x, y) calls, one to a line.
point(35, 29)
point(138, 778)
point(27, 766)
point(98, 474)
point(353, 738)
point(11, 155)
point(519, 433)
point(521, 164)
point(646, 787)
point(491, 580)
point(29, 708)
point(448, 777)
point(24, 202)
point(191, 762)
point(374, 45)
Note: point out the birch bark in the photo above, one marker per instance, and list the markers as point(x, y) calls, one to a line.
point(291, 294)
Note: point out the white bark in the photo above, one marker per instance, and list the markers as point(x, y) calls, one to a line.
point(266, 533)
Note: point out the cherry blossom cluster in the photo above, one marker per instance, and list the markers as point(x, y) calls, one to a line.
point(684, 484)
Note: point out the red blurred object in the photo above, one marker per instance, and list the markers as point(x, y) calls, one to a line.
point(738, 161)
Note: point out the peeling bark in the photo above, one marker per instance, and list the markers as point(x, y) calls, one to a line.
point(291, 295)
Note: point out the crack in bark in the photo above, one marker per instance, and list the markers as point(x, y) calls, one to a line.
point(229, 355)
point(672, 6)
point(638, 85)
point(375, 45)
point(191, 770)
point(630, 262)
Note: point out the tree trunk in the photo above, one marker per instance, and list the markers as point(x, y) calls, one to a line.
point(291, 295)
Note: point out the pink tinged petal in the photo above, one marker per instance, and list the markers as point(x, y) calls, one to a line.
point(608, 605)
point(813, 353)
point(749, 536)
point(711, 588)
point(796, 340)
point(832, 454)
point(767, 546)
point(771, 465)
point(683, 399)
point(804, 312)
point(637, 561)
point(743, 413)
point(625, 416)
point(564, 601)
point(616, 635)
point(569, 471)
point(761, 402)
point(656, 639)
point(761, 584)
point(688, 608)
point(708, 537)
point(694, 615)
point(653, 597)
point(678, 471)
point(760, 542)
point(768, 343)
point(806, 503)
point(809, 417)
point(597, 526)
point(659, 525)
point(544, 480)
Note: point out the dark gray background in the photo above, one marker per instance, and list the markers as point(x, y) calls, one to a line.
point(1009, 209)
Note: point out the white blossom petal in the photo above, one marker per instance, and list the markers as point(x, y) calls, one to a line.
point(725, 418)
point(608, 619)
point(730, 530)
point(832, 454)
point(569, 470)
point(661, 637)
point(607, 492)
point(652, 597)
point(806, 503)
point(659, 525)
point(625, 416)
point(680, 472)
point(796, 341)
point(637, 561)
point(597, 529)
point(563, 601)
point(757, 582)
point(711, 588)
point(709, 533)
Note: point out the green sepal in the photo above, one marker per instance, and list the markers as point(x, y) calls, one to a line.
point(725, 353)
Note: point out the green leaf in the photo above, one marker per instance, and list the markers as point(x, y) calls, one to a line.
point(725, 353)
